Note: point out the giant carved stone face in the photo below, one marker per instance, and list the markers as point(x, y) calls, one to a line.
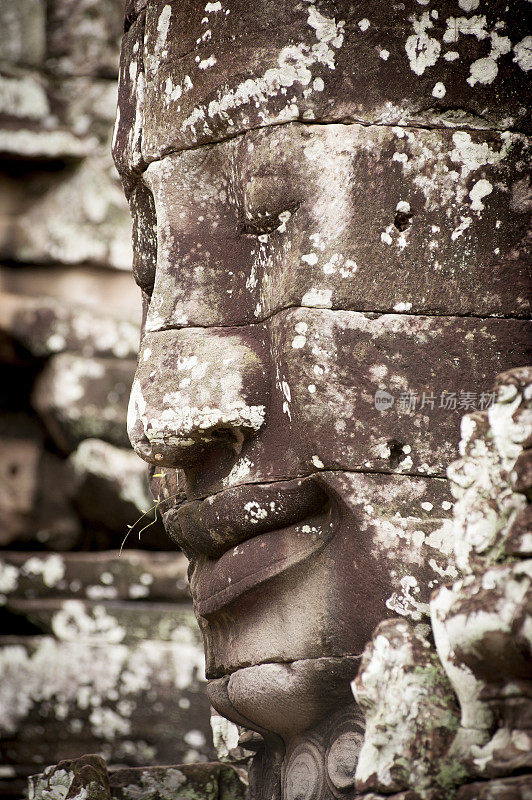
point(329, 279)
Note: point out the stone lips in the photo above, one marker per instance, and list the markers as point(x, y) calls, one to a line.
point(253, 603)
point(224, 520)
point(256, 561)
point(308, 61)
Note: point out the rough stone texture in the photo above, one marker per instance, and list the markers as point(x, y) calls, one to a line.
point(36, 489)
point(66, 291)
point(84, 36)
point(329, 225)
point(111, 491)
point(415, 741)
point(417, 238)
point(482, 622)
point(518, 788)
point(492, 480)
point(87, 778)
point(94, 230)
point(132, 701)
point(61, 206)
point(80, 398)
point(411, 713)
point(44, 326)
point(206, 78)
point(113, 643)
point(23, 31)
point(197, 782)
point(95, 576)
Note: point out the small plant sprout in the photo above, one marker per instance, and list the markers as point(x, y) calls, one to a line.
point(153, 508)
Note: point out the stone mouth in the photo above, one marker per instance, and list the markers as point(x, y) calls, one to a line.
point(216, 584)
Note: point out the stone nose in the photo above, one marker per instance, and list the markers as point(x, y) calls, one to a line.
point(194, 388)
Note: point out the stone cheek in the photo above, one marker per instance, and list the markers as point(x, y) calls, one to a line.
point(415, 740)
point(341, 360)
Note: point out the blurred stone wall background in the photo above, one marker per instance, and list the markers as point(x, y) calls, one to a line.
point(97, 653)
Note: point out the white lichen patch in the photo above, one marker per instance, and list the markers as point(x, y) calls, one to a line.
point(207, 62)
point(50, 568)
point(225, 736)
point(523, 53)
point(422, 50)
point(404, 601)
point(294, 66)
point(75, 621)
point(298, 342)
point(317, 298)
point(9, 576)
point(239, 472)
point(472, 155)
point(255, 512)
point(481, 189)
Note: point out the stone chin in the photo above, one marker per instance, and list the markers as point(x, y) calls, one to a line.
point(285, 699)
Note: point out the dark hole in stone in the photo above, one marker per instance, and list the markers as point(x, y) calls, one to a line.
point(396, 452)
point(13, 624)
point(403, 220)
point(13, 469)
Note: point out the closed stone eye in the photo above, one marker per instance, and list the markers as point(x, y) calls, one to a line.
point(266, 223)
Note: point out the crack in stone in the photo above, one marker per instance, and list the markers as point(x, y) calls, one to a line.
point(365, 471)
point(309, 123)
point(381, 312)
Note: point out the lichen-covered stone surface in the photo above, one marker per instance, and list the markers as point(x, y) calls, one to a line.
point(446, 712)
point(411, 713)
point(329, 207)
point(64, 245)
point(104, 656)
point(482, 622)
point(87, 778)
point(99, 653)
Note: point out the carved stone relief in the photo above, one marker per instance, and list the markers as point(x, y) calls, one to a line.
point(329, 254)
point(410, 689)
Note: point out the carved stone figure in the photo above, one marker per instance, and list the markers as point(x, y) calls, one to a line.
point(328, 207)
point(415, 741)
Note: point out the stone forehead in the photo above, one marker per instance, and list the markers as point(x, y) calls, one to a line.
point(194, 72)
